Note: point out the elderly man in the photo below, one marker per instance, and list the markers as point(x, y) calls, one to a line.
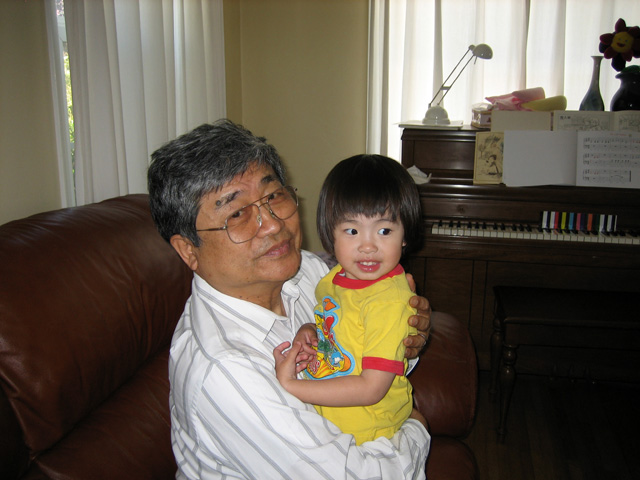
point(218, 195)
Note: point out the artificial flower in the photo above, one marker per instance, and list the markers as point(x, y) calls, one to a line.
point(621, 45)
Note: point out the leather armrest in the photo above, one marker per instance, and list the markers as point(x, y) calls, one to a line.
point(445, 380)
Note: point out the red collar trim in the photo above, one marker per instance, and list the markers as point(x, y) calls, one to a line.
point(355, 284)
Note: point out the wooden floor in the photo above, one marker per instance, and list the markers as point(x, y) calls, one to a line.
point(559, 429)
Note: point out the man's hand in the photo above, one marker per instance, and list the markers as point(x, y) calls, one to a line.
point(422, 321)
point(421, 418)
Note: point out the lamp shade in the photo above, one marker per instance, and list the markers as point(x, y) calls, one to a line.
point(482, 51)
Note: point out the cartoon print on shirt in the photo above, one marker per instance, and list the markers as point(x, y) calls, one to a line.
point(332, 360)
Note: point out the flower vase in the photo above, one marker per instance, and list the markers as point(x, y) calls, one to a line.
point(628, 95)
point(593, 100)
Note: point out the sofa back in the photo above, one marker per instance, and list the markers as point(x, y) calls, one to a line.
point(89, 298)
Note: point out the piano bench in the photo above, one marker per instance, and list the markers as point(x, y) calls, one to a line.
point(556, 318)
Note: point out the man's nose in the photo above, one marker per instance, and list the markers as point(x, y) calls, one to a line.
point(270, 223)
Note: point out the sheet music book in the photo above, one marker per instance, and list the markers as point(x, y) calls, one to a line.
point(624, 120)
point(608, 159)
point(584, 158)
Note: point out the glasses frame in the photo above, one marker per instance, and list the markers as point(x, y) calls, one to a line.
point(292, 192)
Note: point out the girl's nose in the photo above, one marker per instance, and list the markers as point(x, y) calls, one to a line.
point(367, 246)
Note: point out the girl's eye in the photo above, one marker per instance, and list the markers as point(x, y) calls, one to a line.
point(384, 231)
point(351, 231)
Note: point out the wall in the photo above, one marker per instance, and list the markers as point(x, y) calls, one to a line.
point(28, 166)
point(303, 81)
point(296, 73)
point(232, 58)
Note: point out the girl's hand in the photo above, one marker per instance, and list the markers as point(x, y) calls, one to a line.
point(308, 339)
point(287, 364)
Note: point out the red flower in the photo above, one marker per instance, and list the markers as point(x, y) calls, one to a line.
point(621, 45)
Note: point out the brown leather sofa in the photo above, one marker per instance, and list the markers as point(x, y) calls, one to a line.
point(89, 298)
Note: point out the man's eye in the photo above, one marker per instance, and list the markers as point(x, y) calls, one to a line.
point(384, 231)
point(237, 214)
point(351, 231)
point(275, 196)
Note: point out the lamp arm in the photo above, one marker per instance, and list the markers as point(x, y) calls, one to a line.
point(443, 86)
point(454, 80)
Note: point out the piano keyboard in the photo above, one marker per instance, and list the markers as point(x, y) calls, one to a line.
point(582, 222)
point(530, 232)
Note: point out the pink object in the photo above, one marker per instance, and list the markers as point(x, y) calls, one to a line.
point(514, 100)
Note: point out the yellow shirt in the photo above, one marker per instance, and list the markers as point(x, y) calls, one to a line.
point(361, 325)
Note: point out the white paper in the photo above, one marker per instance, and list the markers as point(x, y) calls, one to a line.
point(503, 120)
point(608, 159)
point(419, 177)
point(536, 157)
point(582, 120)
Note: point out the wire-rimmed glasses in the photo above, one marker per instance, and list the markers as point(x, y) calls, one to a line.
point(244, 224)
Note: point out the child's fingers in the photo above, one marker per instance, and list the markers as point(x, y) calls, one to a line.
point(280, 349)
point(307, 350)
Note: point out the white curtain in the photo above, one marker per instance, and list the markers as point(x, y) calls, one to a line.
point(60, 117)
point(414, 45)
point(142, 72)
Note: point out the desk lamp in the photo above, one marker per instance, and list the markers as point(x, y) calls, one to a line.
point(437, 115)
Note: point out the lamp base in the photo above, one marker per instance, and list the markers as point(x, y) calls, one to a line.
point(436, 115)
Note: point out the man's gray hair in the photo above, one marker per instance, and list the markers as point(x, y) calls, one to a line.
point(201, 161)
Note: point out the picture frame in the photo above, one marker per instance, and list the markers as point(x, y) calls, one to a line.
point(488, 165)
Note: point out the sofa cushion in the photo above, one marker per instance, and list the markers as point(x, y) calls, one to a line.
point(133, 426)
point(445, 380)
point(87, 296)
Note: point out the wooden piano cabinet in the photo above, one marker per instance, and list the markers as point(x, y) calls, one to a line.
point(457, 274)
point(447, 154)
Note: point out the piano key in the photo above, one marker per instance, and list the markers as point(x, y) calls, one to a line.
point(500, 230)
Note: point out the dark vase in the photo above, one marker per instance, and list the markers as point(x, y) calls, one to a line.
point(593, 100)
point(628, 95)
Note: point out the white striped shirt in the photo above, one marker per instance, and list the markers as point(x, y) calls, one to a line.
point(230, 417)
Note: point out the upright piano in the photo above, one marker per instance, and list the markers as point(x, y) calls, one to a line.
point(479, 236)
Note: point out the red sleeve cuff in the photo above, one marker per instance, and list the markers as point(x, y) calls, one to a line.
point(383, 364)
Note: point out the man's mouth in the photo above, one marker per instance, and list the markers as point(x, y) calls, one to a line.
point(278, 250)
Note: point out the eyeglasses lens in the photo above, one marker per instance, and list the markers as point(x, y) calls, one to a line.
point(244, 224)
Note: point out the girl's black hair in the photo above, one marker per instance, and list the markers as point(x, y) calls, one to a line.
point(369, 185)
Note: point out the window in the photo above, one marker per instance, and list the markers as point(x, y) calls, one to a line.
point(414, 44)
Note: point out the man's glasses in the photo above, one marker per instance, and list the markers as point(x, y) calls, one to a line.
point(243, 224)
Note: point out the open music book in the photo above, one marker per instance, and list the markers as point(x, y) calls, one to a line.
point(594, 158)
point(622, 121)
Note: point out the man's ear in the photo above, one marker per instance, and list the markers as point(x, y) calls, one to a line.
point(186, 250)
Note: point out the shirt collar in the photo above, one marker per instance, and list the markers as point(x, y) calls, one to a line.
point(256, 320)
